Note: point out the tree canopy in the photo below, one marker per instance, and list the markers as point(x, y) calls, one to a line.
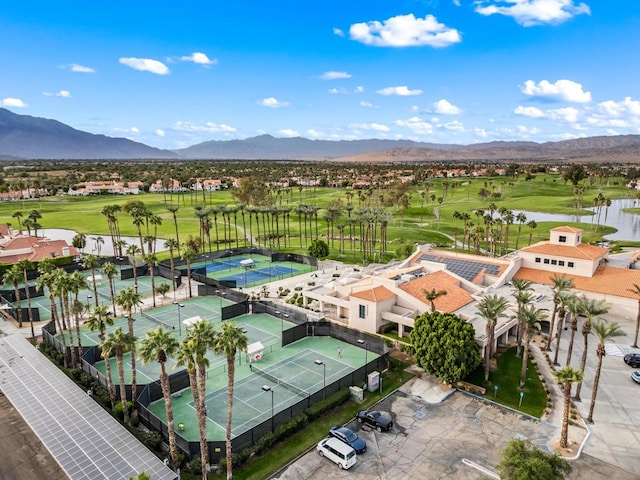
point(319, 249)
point(444, 345)
point(522, 460)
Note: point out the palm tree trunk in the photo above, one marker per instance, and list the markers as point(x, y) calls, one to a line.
point(594, 392)
point(26, 290)
point(134, 386)
point(123, 391)
point(487, 354)
point(564, 435)
point(18, 308)
point(171, 432)
point(202, 416)
point(231, 373)
point(552, 324)
point(113, 295)
point(583, 363)
point(635, 338)
point(107, 366)
point(571, 339)
point(56, 318)
point(525, 359)
point(558, 335)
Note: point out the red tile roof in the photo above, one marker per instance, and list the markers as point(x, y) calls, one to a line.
point(455, 298)
point(567, 229)
point(583, 251)
point(375, 295)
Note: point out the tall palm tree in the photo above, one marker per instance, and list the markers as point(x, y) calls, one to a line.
point(110, 270)
point(523, 293)
point(92, 262)
point(117, 343)
point(46, 280)
point(605, 332)
point(14, 276)
point(566, 299)
point(636, 291)
point(189, 253)
point(26, 265)
point(186, 357)
point(574, 310)
point(127, 299)
point(531, 317)
point(432, 295)
point(172, 245)
point(566, 376)
point(560, 285)
point(491, 308)
point(61, 287)
point(99, 319)
point(227, 342)
point(157, 346)
point(133, 250)
point(590, 309)
point(152, 260)
point(77, 282)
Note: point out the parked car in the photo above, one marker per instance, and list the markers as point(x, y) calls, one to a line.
point(375, 419)
point(632, 359)
point(337, 452)
point(349, 437)
point(635, 376)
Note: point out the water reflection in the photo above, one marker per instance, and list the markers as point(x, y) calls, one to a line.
point(628, 224)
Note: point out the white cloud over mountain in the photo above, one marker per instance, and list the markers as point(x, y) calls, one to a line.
point(560, 91)
point(13, 103)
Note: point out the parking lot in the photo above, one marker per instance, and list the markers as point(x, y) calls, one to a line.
point(433, 441)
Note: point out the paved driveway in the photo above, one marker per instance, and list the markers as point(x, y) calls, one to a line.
point(430, 441)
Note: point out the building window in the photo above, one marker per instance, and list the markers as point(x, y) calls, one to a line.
point(570, 264)
point(561, 263)
point(562, 239)
point(537, 259)
point(554, 262)
point(362, 311)
point(546, 261)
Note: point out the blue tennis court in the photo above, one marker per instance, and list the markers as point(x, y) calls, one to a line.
point(258, 275)
point(225, 264)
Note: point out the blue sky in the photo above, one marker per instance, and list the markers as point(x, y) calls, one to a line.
point(173, 74)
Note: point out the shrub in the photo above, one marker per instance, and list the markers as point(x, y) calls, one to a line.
point(153, 440)
point(117, 410)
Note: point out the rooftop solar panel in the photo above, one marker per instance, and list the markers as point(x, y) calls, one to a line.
point(83, 438)
point(464, 268)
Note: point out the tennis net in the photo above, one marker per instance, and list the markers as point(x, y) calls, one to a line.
point(104, 295)
point(157, 322)
point(278, 381)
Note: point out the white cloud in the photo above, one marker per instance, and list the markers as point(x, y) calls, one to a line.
point(145, 65)
point(209, 127)
point(443, 107)
point(378, 127)
point(334, 75)
point(338, 32)
point(160, 133)
point(560, 91)
point(454, 126)
point(568, 114)
point(367, 105)
point(338, 91)
point(402, 91)
point(74, 67)
point(272, 102)
point(480, 132)
point(130, 130)
point(61, 93)
point(531, 112)
point(534, 12)
point(359, 89)
point(405, 31)
point(628, 106)
point(289, 133)
point(13, 103)
point(311, 133)
point(417, 125)
point(199, 58)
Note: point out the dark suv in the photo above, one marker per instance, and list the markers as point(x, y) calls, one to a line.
point(349, 437)
point(632, 359)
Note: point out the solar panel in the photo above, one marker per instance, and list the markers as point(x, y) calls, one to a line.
point(464, 268)
point(83, 438)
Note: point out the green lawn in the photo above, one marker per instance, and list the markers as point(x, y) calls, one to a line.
point(507, 379)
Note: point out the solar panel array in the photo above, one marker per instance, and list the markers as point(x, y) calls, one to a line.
point(463, 268)
point(83, 438)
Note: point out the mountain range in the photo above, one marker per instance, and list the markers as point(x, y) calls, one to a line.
point(25, 137)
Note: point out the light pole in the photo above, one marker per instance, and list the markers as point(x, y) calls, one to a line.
point(277, 314)
point(179, 306)
point(324, 378)
point(89, 297)
point(267, 388)
point(366, 354)
point(290, 265)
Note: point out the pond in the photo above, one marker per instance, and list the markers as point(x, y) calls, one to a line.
point(106, 249)
point(628, 224)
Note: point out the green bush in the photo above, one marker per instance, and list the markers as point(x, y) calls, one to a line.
point(153, 440)
point(117, 410)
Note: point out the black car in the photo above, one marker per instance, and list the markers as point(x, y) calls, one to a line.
point(632, 359)
point(375, 419)
point(349, 437)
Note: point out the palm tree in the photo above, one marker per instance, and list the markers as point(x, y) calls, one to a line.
point(26, 265)
point(92, 262)
point(46, 280)
point(566, 376)
point(204, 337)
point(99, 319)
point(186, 357)
point(227, 342)
point(127, 299)
point(432, 295)
point(132, 251)
point(522, 291)
point(152, 259)
point(566, 299)
point(157, 346)
point(491, 308)
point(61, 287)
point(14, 276)
point(531, 317)
point(560, 285)
point(117, 343)
point(604, 331)
point(590, 309)
point(110, 270)
point(574, 309)
point(636, 291)
point(189, 253)
point(172, 245)
point(77, 282)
